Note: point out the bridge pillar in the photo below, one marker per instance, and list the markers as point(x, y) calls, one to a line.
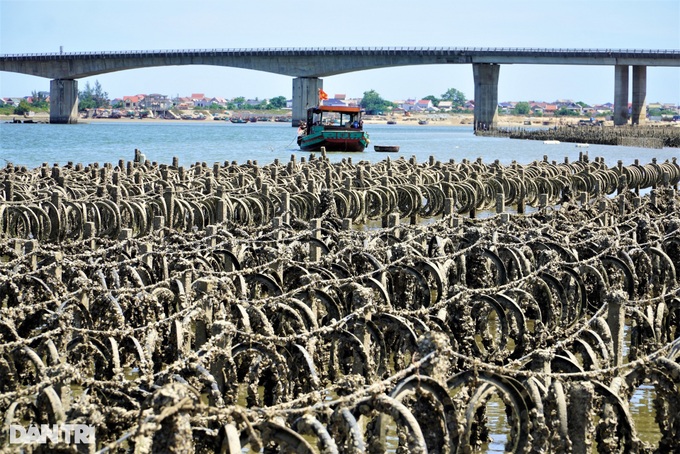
point(486, 95)
point(63, 101)
point(305, 95)
point(620, 95)
point(639, 111)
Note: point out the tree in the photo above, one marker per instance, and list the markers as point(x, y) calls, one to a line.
point(435, 100)
point(39, 100)
point(373, 103)
point(564, 112)
point(521, 108)
point(456, 97)
point(23, 108)
point(101, 97)
point(92, 98)
point(238, 102)
point(278, 103)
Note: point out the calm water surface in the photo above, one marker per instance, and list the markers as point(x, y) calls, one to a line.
point(219, 141)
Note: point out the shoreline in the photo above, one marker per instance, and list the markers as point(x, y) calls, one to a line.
point(432, 120)
point(504, 121)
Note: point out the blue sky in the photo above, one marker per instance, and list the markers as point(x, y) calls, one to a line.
point(41, 26)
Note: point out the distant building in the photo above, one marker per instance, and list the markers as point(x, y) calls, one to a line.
point(132, 102)
point(254, 102)
point(506, 106)
point(222, 102)
point(425, 104)
point(156, 102)
point(572, 107)
point(550, 109)
point(409, 105)
point(353, 102)
point(537, 108)
point(334, 102)
point(11, 101)
point(445, 105)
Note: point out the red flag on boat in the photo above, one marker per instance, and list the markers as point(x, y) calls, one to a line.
point(322, 95)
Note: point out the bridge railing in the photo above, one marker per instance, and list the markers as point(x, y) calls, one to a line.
point(324, 50)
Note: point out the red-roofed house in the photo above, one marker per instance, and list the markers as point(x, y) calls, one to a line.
point(550, 109)
point(132, 102)
point(425, 104)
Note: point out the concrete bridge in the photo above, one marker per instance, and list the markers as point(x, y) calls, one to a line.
point(308, 65)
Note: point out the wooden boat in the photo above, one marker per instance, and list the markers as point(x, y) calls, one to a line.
point(336, 128)
point(391, 122)
point(238, 120)
point(386, 148)
point(423, 122)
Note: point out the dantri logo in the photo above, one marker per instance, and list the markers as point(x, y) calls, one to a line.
point(68, 433)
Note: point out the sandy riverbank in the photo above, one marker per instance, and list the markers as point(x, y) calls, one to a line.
point(432, 120)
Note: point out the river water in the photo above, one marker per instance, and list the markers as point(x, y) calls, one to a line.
point(31, 145)
point(218, 141)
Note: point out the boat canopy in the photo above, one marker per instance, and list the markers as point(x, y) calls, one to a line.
point(339, 109)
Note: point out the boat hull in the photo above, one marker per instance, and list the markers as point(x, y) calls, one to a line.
point(354, 141)
point(386, 148)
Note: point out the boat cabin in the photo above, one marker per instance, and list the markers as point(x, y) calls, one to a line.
point(333, 128)
point(330, 118)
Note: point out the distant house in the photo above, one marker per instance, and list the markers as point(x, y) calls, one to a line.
point(425, 104)
point(12, 101)
point(352, 102)
point(222, 102)
point(445, 105)
point(155, 102)
point(132, 102)
point(340, 96)
point(334, 102)
point(537, 108)
point(572, 107)
point(550, 109)
point(183, 101)
point(603, 108)
point(408, 105)
point(506, 106)
point(255, 102)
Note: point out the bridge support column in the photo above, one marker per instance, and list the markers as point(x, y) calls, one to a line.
point(486, 95)
point(63, 101)
point(639, 111)
point(620, 95)
point(305, 95)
